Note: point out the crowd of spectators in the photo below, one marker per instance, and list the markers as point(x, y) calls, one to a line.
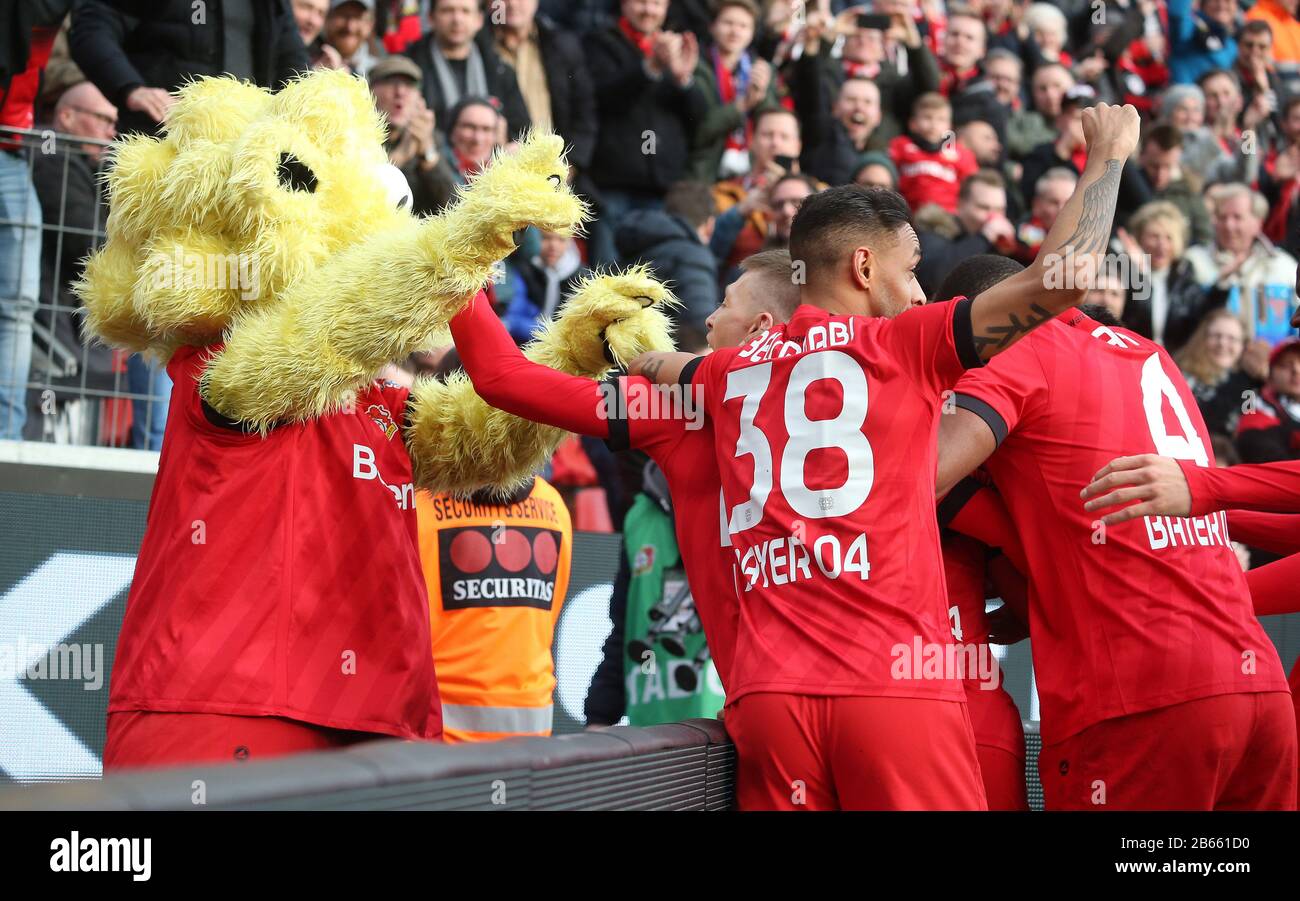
point(696, 129)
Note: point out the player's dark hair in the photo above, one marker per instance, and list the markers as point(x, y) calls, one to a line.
point(1101, 314)
point(975, 275)
point(831, 223)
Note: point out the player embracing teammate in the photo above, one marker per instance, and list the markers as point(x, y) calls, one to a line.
point(840, 692)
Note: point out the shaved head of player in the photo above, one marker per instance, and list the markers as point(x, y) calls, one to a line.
point(764, 295)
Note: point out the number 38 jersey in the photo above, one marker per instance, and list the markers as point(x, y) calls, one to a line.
point(825, 432)
point(1140, 615)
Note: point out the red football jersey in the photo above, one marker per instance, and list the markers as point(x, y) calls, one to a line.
point(1268, 487)
point(281, 576)
point(682, 446)
point(825, 437)
point(964, 575)
point(628, 412)
point(1140, 615)
point(931, 176)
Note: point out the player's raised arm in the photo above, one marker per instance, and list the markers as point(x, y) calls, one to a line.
point(1071, 253)
point(660, 367)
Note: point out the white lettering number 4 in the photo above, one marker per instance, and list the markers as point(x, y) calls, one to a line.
point(844, 431)
point(1157, 388)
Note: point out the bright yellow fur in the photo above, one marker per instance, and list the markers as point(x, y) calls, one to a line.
point(311, 292)
point(459, 444)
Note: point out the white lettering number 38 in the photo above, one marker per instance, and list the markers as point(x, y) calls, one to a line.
point(843, 431)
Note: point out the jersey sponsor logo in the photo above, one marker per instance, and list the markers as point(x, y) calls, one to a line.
point(380, 416)
point(932, 168)
point(364, 467)
point(496, 566)
point(786, 560)
point(1210, 530)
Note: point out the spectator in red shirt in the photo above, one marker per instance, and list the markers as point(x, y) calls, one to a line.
point(1270, 431)
point(931, 163)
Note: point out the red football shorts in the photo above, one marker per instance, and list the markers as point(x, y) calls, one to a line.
point(999, 745)
point(1295, 700)
point(1227, 752)
point(804, 752)
point(143, 738)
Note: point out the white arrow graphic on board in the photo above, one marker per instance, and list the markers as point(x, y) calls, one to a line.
point(36, 614)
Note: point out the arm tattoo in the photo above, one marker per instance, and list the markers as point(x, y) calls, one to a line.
point(651, 369)
point(1090, 237)
point(1093, 230)
point(997, 337)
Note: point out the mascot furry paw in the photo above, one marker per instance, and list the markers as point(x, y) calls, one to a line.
point(460, 444)
point(262, 248)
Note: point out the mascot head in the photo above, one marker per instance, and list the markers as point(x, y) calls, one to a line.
point(249, 192)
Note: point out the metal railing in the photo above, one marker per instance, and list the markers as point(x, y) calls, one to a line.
point(71, 390)
point(678, 766)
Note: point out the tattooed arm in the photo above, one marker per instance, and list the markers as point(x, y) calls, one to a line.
point(1073, 249)
point(664, 367)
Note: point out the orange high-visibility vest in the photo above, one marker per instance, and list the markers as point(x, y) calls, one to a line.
point(497, 576)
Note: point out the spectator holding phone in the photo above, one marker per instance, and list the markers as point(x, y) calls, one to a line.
point(761, 221)
point(913, 71)
point(773, 153)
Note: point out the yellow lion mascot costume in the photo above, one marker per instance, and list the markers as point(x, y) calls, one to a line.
point(265, 250)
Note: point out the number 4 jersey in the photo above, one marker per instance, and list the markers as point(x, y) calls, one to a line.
point(825, 432)
point(1136, 616)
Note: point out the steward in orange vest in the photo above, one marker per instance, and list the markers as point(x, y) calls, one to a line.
point(497, 574)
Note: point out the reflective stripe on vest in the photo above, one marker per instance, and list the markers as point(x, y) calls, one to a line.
point(473, 718)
